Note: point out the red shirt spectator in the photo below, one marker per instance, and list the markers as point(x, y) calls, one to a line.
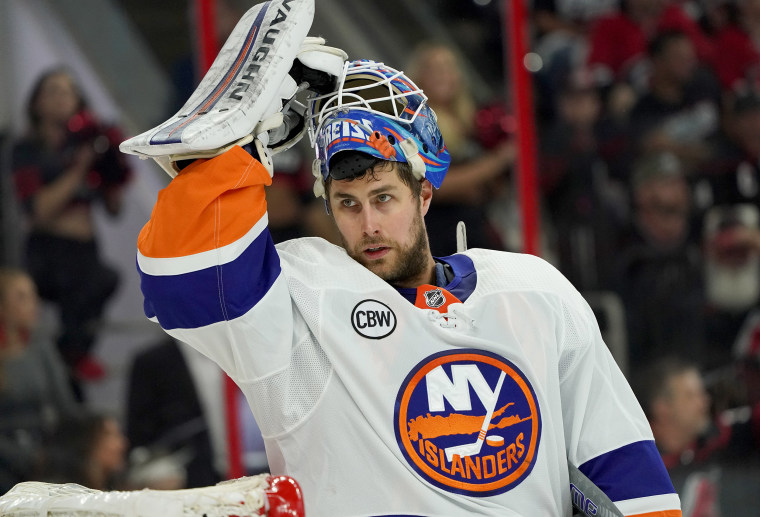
point(740, 59)
point(619, 40)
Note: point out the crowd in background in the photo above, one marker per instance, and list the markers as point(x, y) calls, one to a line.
point(648, 125)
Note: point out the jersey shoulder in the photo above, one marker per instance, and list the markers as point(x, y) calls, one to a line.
point(514, 272)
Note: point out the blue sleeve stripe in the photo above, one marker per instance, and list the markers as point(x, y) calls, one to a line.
point(214, 294)
point(633, 471)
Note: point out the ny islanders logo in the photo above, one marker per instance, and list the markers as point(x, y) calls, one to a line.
point(468, 421)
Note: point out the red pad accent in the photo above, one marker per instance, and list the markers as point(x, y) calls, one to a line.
point(284, 497)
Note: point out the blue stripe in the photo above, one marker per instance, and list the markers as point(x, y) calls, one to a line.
point(632, 471)
point(464, 282)
point(192, 300)
point(163, 136)
point(465, 276)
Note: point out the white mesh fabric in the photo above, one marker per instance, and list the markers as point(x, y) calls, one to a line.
point(283, 400)
point(536, 276)
point(572, 344)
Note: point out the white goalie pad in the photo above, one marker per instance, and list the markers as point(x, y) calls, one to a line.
point(252, 496)
point(245, 85)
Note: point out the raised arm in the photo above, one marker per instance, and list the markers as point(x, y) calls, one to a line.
point(206, 260)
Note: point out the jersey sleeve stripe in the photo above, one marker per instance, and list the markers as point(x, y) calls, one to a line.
point(202, 260)
point(630, 472)
point(206, 207)
point(218, 293)
point(665, 505)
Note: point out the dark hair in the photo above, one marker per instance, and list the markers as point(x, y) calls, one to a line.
point(31, 105)
point(662, 41)
point(68, 448)
point(652, 382)
point(403, 169)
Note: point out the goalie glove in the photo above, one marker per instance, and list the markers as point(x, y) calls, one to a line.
point(248, 93)
point(316, 69)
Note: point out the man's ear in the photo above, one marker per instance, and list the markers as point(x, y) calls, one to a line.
point(426, 196)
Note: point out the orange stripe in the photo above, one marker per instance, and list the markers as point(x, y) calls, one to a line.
point(427, 160)
point(210, 204)
point(662, 513)
point(227, 80)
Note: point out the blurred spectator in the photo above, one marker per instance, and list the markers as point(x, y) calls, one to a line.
point(68, 162)
point(731, 174)
point(727, 187)
point(618, 42)
point(290, 193)
point(659, 268)
point(736, 33)
point(731, 238)
point(476, 174)
point(175, 412)
point(679, 108)
point(89, 450)
point(165, 414)
point(713, 462)
point(561, 29)
point(732, 274)
point(34, 391)
point(576, 186)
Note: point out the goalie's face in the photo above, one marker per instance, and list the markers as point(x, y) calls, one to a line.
point(381, 224)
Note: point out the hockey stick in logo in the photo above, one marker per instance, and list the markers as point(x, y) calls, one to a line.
point(470, 449)
point(589, 498)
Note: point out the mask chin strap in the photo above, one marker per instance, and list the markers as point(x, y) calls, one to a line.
point(319, 183)
point(413, 158)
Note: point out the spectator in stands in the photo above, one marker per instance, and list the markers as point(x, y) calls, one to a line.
point(576, 185)
point(731, 175)
point(176, 408)
point(729, 181)
point(34, 391)
point(731, 238)
point(66, 164)
point(659, 268)
point(736, 34)
point(165, 414)
point(679, 108)
point(89, 449)
point(561, 30)
point(478, 173)
point(618, 42)
point(713, 461)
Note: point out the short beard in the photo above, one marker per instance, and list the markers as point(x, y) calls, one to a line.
point(411, 261)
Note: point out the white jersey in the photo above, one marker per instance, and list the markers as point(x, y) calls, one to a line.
point(465, 399)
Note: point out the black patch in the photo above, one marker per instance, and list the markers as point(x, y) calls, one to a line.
point(434, 298)
point(373, 319)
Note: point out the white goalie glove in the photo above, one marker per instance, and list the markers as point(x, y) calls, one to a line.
point(249, 93)
point(316, 69)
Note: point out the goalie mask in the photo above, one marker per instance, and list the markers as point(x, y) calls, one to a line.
point(376, 113)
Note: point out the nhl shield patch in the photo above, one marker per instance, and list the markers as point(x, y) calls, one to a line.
point(468, 421)
point(434, 298)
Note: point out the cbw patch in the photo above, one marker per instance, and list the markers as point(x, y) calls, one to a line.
point(468, 422)
point(373, 319)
